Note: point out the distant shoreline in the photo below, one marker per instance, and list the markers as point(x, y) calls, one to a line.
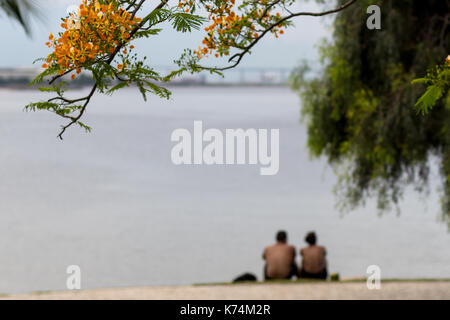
point(18, 87)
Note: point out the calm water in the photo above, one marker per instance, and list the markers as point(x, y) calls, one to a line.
point(113, 203)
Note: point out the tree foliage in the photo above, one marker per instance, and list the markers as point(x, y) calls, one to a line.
point(360, 111)
point(97, 39)
point(18, 10)
point(438, 82)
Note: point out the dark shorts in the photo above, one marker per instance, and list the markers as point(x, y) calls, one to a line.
point(292, 274)
point(306, 275)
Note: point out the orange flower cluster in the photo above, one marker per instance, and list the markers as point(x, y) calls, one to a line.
point(95, 31)
point(186, 5)
point(227, 28)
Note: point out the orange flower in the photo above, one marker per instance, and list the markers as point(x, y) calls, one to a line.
point(228, 29)
point(95, 31)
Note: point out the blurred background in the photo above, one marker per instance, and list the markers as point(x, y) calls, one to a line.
point(113, 203)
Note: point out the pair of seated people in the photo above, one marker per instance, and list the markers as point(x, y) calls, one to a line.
point(280, 259)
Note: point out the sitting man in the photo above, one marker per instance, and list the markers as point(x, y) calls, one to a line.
point(314, 263)
point(280, 259)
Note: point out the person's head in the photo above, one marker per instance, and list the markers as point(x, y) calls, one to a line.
point(282, 236)
point(311, 238)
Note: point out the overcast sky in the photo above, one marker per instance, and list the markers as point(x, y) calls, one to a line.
point(299, 42)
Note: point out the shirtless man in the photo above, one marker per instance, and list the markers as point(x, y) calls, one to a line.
point(314, 263)
point(280, 259)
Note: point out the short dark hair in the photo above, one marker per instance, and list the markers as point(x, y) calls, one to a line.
point(281, 236)
point(311, 238)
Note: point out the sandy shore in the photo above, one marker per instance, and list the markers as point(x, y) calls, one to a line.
point(328, 290)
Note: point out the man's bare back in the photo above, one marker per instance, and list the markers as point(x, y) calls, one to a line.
point(280, 259)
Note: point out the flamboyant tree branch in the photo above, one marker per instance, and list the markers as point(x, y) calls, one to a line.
point(247, 49)
point(88, 98)
point(182, 19)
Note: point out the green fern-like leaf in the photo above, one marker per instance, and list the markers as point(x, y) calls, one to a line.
point(185, 22)
point(157, 16)
point(429, 99)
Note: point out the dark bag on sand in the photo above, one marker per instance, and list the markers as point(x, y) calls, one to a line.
point(246, 277)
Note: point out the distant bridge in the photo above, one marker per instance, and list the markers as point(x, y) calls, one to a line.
point(18, 73)
point(244, 75)
point(239, 75)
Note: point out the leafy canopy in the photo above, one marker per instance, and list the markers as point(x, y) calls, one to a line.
point(98, 39)
point(360, 112)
